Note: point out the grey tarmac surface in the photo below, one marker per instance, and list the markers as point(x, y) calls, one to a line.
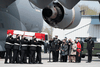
point(45, 59)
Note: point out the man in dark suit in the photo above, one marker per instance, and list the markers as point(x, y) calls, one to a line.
point(90, 47)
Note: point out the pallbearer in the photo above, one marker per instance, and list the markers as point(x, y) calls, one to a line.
point(32, 49)
point(8, 47)
point(24, 43)
point(16, 49)
point(38, 50)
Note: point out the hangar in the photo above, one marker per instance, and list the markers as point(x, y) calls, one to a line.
point(89, 26)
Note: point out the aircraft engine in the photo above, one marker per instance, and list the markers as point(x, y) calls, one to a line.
point(58, 16)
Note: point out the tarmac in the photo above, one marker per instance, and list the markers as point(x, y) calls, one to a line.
point(45, 58)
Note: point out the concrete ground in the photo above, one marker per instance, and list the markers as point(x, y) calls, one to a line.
point(45, 59)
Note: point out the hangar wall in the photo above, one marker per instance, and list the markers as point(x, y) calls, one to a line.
point(83, 30)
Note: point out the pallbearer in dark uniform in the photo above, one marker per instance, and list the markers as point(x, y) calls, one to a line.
point(8, 47)
point(90, 47)
point(16, 49)
point(32, 49)
point(23, 49)
point(38, 50)
point(27, 52)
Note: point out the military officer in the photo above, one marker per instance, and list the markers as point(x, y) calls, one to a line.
point(8, 47)
point(32, 49)
point(90, 47)
point(24, 44)
point(38, 50)
point(16, 49)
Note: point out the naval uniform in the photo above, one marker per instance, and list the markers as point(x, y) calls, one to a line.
point(90, 45)
point(57, 49)
point(8, 47)
point(32, 50)
point(38, 50)
point(23, 50)
point(16, 50)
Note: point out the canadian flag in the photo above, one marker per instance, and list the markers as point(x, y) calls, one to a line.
point(28, 34)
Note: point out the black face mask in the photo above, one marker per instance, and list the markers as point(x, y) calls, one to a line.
point(63, 42)
point(10, 36)
point(69, 41)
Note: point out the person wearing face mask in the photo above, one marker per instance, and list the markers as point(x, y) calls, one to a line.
point(58, 46)
point(90, 47)
point(32, 49)
point(8, 47)
point(78, 51)
point(16, 49)
point(69, 49)
point(64, 51)
point(24, 44)
point(82, 45)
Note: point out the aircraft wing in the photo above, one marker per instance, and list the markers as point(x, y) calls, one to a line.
point(6, 3)
point(41, 3)
point(71, 3)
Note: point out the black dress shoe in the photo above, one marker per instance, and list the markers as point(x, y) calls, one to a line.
point(88, 62)
point(6, 62)
point(40, 63)
point(21, 63)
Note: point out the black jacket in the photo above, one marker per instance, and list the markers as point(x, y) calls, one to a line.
point(16, 43)
point(23, 43)
point(90, 44)
point(9, 42)
point(33, 44)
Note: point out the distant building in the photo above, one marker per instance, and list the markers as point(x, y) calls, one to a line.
point(89, 26)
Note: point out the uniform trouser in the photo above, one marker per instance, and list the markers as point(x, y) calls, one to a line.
point(77, 57)
point(38, 58)
point(89, 55)
point(15, 56)
point(64, 58)
point(23, 56)
point(32, 56)
point(57, 55)
point(54, 55)
point(8, 55)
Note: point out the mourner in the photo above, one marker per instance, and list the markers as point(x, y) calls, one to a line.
point(78, 51)
point(69, 49)
point(73, 52)
point(8, 47)
point(90, 47)
point(64, 51)
point(16, 49)
point(82, 44)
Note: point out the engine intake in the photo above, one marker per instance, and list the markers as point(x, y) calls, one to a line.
point(58, 16)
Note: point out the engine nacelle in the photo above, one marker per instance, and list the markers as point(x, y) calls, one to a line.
point(58, 16)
